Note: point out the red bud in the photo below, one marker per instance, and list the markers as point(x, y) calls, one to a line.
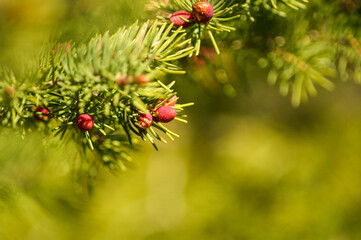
point(166, 114)
point(202, 12)
point(85, 122)
point(178, 22)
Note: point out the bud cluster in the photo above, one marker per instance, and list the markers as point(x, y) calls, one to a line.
point(202, 13)
point(165, 113)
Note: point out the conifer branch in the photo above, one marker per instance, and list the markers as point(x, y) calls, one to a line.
point(221, 11)
point(112, 80)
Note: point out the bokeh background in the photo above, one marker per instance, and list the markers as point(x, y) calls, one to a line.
point(247, 166)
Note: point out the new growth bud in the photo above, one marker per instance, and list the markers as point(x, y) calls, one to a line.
point(141, 79)
point(85, 122)
point(179, 22)
point(171, 102)
point(165, 114)
point(145, 120)
point(202, 12)
point(38, 113)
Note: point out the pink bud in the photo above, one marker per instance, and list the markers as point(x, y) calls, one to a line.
point(178, 22)
point(165, 114)
point(171, 102)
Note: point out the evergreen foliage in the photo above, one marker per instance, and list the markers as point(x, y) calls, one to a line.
point(116, 77)
point(315, 50)
point(237, 175)
point(113, 78)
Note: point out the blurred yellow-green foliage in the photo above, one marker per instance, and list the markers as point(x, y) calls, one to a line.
point(251, 167)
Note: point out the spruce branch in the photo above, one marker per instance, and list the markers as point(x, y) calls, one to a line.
point(300, 70)
point(222, 11)
point(111, 81)
point(116, 81)
point(317, 55)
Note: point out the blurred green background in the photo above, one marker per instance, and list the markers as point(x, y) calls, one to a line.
point(249, 167)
